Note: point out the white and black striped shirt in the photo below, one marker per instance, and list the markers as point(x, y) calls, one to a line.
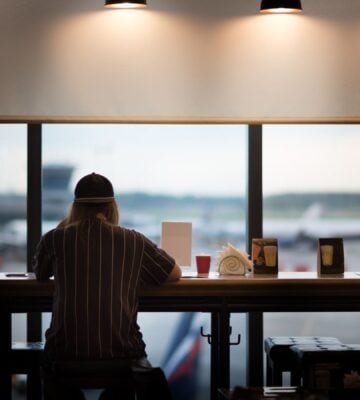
point(98, 269)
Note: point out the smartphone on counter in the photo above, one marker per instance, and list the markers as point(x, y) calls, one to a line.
point(17, 275)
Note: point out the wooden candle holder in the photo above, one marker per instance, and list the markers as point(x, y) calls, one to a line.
point(264, 254)
point(330, 256)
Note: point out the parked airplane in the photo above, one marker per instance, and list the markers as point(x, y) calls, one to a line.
point(208, 235)
point(310, 227)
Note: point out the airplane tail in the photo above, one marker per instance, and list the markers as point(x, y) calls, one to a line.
point(313, 212)
point(181, 361)
point(310, 216)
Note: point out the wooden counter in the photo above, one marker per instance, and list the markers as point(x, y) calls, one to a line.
point(218, 295)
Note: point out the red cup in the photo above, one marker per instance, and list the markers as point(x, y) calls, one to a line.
point(203, 265)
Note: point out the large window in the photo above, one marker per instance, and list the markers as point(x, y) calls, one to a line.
point(311, 190)
point(192, 173)
point(13, 178)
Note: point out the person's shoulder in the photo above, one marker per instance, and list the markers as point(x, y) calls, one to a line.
point(49, 233)
point(47, 239)
point(129, 231)
point(57, 231)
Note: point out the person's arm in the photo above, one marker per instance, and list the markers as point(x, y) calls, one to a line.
point(157, 265)
point(175, 274)
point(41, 264)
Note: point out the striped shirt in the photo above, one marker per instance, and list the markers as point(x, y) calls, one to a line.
point(98, 269)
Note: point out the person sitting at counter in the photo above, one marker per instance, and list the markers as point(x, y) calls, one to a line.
point(98, 268)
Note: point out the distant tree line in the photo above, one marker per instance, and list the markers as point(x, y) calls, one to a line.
point(141, 200)
point(330, 201)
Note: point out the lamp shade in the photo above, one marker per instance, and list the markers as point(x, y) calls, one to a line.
point(125, 4)
point(280, 6)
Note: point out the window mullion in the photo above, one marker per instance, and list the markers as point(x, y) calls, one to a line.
point(254, 229)
point(34, 169)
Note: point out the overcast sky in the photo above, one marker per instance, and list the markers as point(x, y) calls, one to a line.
point(191, 159)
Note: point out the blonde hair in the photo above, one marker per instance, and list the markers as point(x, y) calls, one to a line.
point(82, 212)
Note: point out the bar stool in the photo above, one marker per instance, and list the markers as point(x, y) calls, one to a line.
point(118, 376)
point(279, 357)
point(328, 366)
point(25, 359)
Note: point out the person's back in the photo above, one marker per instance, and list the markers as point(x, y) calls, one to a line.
point(98, 269)
point(98, 272)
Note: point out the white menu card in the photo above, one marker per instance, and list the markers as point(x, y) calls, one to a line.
point(176, 239)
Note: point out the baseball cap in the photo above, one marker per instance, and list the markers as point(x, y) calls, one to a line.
point(94, 188)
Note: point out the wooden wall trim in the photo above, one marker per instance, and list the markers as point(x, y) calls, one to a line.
point(22, 119)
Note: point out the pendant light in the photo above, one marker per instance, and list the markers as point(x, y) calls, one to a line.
point(280, 6)
point(125, 4)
